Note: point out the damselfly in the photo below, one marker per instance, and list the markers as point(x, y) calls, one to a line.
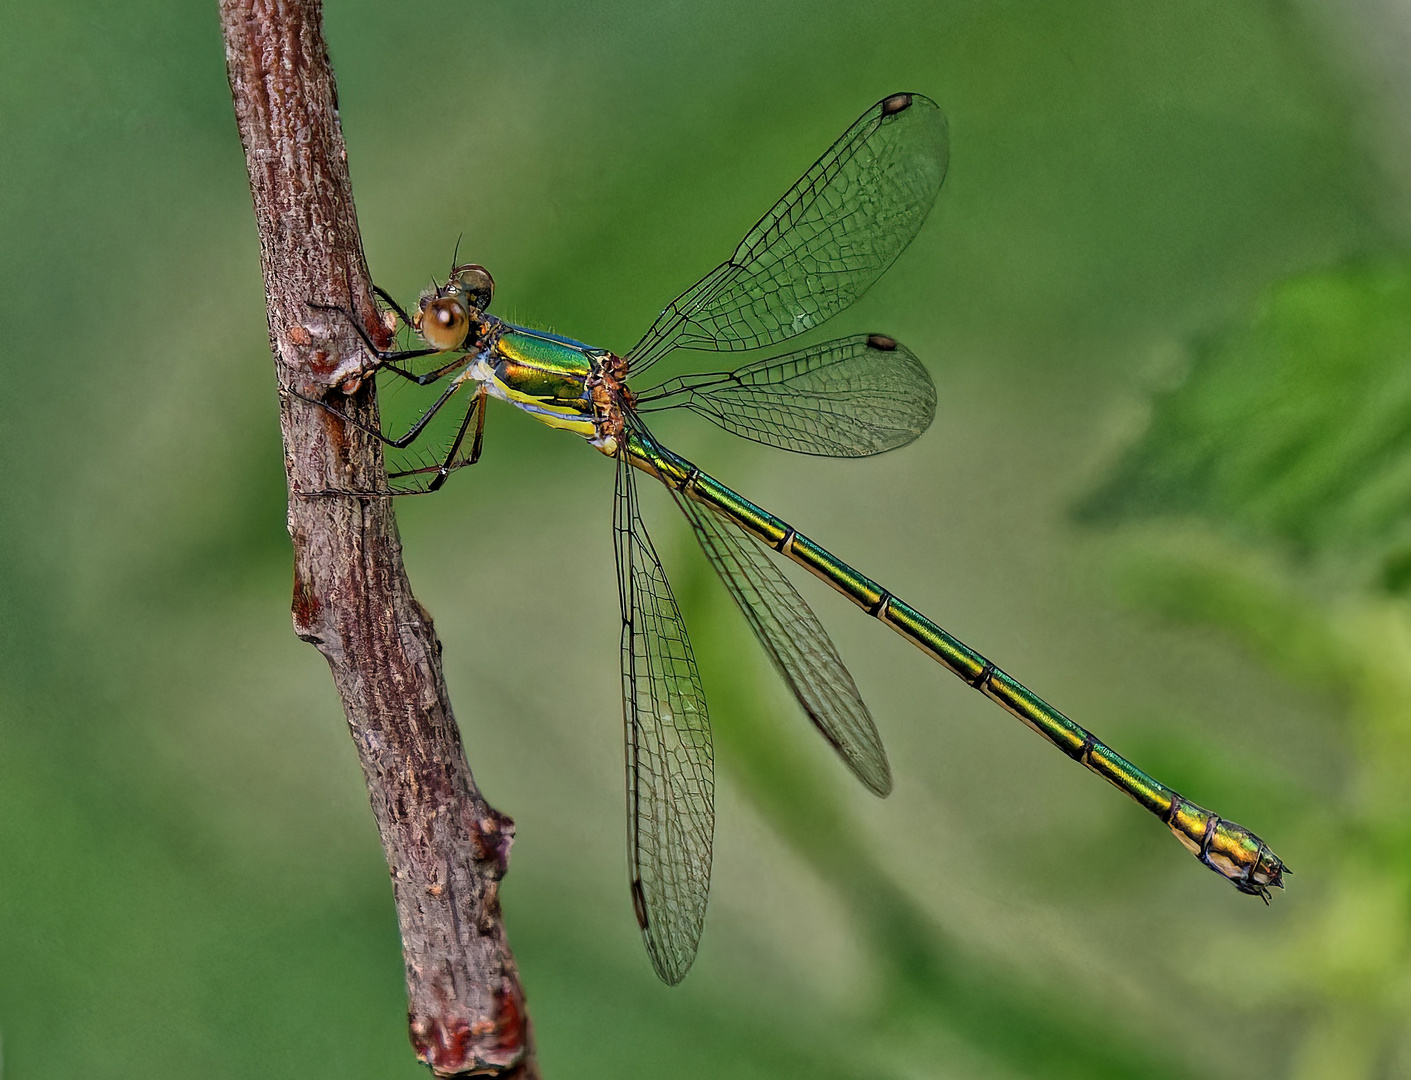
point(815, 252)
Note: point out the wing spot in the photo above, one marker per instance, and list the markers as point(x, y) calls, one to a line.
point(895, 104)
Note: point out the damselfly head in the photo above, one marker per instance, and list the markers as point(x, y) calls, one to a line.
point(447, 314)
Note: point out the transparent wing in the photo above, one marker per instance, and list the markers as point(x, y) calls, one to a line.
point(797, 643)
point(670, 771)
point(823, 244)
point(846, 398)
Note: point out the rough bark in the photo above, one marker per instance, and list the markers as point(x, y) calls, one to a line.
point(446, 848)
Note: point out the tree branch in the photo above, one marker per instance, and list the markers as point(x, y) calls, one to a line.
point(446, 848)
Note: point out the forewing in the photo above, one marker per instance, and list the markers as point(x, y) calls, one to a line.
point(851, 397)
point(797, 643)
point(670, 771)
point(823, 244)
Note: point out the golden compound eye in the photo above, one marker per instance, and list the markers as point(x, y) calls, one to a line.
point(444, 323)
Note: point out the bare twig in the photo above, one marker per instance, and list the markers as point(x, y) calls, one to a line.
point(446, 847)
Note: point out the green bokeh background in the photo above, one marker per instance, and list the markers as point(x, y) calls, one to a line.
point(1162, 300)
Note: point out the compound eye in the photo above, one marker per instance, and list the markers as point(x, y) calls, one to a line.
point(444, 323)
point(475, 283)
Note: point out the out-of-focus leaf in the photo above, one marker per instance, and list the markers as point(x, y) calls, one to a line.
point(1294, 429)
point(1287, 452)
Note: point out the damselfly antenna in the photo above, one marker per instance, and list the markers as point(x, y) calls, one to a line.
point(455, 254)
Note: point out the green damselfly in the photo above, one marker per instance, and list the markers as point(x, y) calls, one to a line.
point(815, 252)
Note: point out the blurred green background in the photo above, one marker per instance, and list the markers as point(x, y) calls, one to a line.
point(1164, 303)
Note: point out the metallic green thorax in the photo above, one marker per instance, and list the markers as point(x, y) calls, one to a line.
point(544, 375)
point(1227, 848)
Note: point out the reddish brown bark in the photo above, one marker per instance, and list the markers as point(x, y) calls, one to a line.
point(446, 848)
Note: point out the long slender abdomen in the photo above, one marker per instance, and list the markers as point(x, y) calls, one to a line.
point(1227, 848)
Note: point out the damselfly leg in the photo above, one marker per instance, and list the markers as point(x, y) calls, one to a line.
point(443, 471)
point(391, 302)
point(388, 359)
point(403, 441)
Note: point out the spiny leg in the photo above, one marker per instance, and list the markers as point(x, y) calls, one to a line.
point(403, 441)
point(431, 376)
point(478, 443)
point(385, 358)
point(449, 465)
point(477, 407)
point(406, 319)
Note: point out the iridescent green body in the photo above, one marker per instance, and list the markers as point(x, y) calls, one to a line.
point(541, 373)
point(549, 377)
point(815, 252)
